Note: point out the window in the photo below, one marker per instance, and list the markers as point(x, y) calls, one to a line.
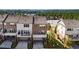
point(5, 30)
point(21, 32)
point(78, 29)
point(69, 29)
point(70, 35)
point(42, 25)
point(4, 23)
point(26, 25)
point(24, 32)
point(12, 24)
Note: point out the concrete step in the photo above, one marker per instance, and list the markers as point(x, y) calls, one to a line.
point(22, 45)
point(6, 44)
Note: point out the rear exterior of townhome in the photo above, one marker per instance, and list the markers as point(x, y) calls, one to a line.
point(9, 30)
point(2, 18)
point(39, 31)
point(72, 29)
point(39, 27)
point(24, 31)
point(24, 27)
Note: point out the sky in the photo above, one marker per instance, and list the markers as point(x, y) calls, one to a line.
point(39, 4)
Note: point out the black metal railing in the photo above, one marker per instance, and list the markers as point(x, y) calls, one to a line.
point(9, 31)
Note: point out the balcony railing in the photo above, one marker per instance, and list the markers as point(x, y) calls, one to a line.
point(23, 33)
point(9, 31)
point(39, 33)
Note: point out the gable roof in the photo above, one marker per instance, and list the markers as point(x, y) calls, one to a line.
point(71, 23)
point(12, 19)
point(40, 20)
point(25, 19)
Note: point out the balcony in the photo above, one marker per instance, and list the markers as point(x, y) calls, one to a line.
point(40, 32)
point(9, 31)
point(23, 33)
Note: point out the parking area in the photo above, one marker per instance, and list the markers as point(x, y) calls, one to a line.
point(6, 44)
point(38, 45)
point(22, 45)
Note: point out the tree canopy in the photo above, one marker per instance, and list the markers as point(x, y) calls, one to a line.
point(66, 14)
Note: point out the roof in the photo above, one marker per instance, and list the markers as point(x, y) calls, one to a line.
point(40, 20)
point(2, 17)
point(25, 19)
point(54, 22)
point(71, 23)
point(12, 19)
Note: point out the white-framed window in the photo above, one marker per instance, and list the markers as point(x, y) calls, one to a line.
point(42, 25)
point(23, 32)
point(18, 32)
point(4, 23)
point(77, 29)
point(26, 25)
point(69, 29)
point(12, 23)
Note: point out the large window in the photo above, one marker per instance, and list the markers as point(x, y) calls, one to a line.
point(69, 29)
point(42, 25)
point(77, 29)
point(23, 32)
point(19, 32)
point(9, 30)
point(12, 23)
point(26, 25)
point(40, 32)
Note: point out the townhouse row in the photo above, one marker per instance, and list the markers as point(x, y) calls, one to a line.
point(27, 28)
point(12, 26)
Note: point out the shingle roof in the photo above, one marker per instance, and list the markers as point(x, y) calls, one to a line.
point(12, 19)
point(40, 20)
point(54, 22)
point(25, 19)
point(71, 23)
point(2, 17)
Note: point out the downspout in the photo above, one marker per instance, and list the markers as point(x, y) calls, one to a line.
point(3, 23)
point(32, 32)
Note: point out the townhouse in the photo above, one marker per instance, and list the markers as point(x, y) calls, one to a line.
point(39, 31)
point(9, 31)
point(2, 19)
point(72, 29)
point(24, 31)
